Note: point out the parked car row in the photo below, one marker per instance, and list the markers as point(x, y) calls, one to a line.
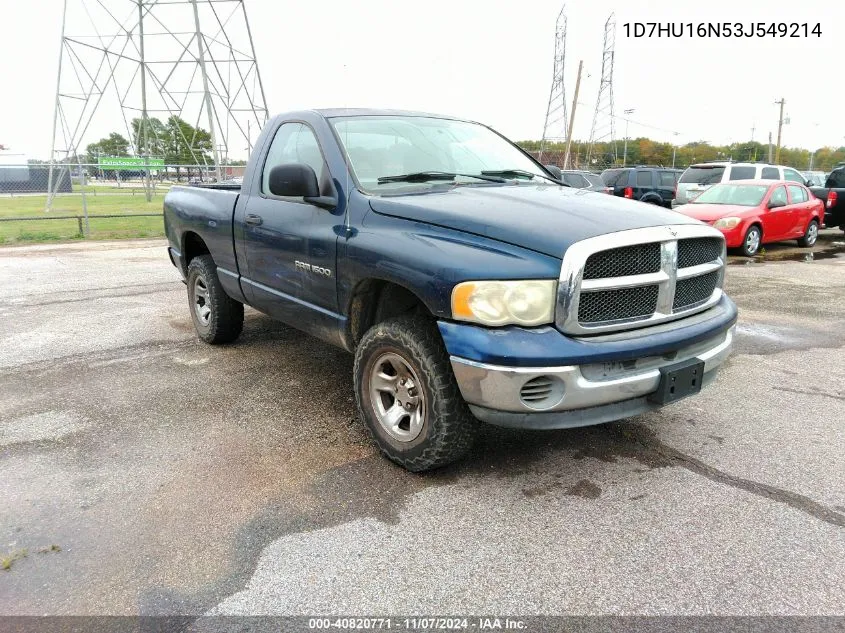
point(751, 203)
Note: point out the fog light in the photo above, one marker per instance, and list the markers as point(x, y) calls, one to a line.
point(542, 392)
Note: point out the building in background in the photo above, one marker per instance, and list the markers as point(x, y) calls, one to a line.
point(18, 176)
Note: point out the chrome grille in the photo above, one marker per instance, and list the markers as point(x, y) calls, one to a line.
point(694, 252)
point(638, 259)
point(639, 277)
point(694, 291)
point(615, 305)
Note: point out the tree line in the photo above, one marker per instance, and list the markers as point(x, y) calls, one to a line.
point(179, 143)
point(174, 140)
point(645, 151)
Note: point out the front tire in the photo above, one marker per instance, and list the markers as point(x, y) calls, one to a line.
point(217, 317)
point(407, 395)
point(810, 235)
point(751, 241)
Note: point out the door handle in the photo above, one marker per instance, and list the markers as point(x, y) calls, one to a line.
point(253, 219)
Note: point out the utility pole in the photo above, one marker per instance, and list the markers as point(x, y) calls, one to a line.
point(770, 147)
point(674, 147)
point(625, 150)
point(780, 126)
point(572, 116)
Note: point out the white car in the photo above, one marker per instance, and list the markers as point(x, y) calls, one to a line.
point(699, 177)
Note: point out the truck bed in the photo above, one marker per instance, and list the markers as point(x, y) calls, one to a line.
point(206, 211)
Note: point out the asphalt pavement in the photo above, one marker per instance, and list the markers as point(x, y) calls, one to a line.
point(143, 472)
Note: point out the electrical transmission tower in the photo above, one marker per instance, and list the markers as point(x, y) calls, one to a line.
point(603, 128)
point(554, 128)
point(149, 66)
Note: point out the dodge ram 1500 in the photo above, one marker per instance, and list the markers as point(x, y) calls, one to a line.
point(469, 282)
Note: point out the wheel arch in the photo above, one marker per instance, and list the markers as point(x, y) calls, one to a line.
point(192, 246)
point(374, 300)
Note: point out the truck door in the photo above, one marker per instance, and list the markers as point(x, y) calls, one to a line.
point(291, 245)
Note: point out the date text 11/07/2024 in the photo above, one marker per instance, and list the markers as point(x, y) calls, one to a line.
point(722, 29)
point(417, 623)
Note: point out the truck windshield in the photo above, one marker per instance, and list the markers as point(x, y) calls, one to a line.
point(380, 148)
point(743, 195)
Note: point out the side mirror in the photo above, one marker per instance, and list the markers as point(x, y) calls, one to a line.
point(297, 180)
point(774, 204)
point(554, 170)
point(293, 180)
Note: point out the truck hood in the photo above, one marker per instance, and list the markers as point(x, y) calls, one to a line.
point(711, 212)
point(543, 218)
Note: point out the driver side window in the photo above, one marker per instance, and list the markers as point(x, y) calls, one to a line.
point(779, 195)
point(293, 143)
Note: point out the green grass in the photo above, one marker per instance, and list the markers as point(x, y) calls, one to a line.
point(7, 561)
point(43, 230)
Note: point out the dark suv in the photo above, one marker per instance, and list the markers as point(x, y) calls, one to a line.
point(648, 184)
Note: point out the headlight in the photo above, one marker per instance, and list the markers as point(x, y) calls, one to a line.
point(505, 302)
point(726, 223)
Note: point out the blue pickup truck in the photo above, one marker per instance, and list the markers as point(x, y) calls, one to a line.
point(468, 281)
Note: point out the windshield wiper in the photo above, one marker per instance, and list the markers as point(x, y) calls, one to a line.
point(425, 176)
point(517, 173)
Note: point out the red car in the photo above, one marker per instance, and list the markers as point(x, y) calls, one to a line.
point(755, 212)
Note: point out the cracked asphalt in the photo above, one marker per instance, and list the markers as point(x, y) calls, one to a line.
point(178, 478)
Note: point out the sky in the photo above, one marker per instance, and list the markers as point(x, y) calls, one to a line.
point(491, 61)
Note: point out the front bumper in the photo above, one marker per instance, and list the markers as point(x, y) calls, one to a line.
point(583, 394)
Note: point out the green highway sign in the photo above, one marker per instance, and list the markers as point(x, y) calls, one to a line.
point(128, 162)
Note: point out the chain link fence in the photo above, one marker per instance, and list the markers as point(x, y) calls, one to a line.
point(38, 203)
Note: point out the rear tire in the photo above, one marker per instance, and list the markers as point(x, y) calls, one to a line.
point(217, 317)
point(407, 395)
point(751, 242)
point(811, 235)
